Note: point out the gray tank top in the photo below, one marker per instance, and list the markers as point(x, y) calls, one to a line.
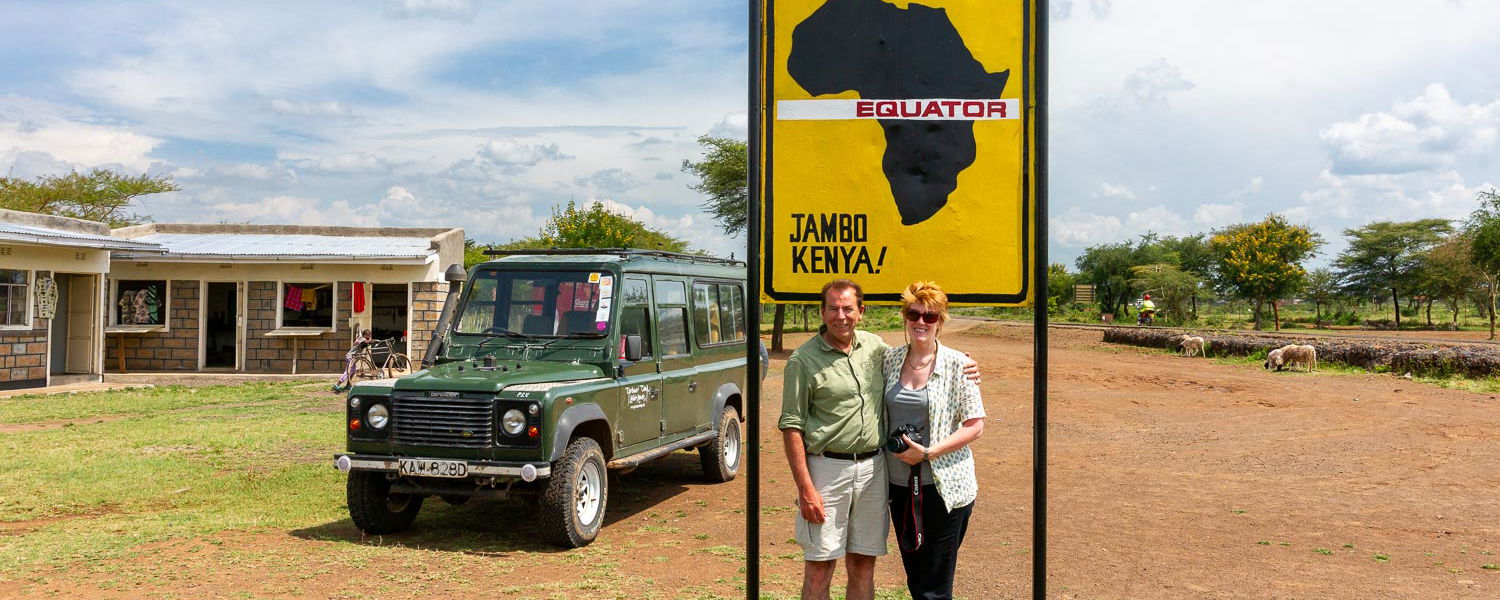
point(903, 406)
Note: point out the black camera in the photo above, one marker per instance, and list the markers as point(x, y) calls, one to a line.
point(895, 444)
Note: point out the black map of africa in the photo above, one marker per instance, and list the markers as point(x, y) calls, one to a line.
point(885, 52)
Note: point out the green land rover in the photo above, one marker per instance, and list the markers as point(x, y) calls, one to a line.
point(550, 368)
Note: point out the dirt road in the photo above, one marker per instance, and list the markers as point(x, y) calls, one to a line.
point(1184, 478)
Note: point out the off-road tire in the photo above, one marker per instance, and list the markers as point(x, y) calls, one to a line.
point(375, 510)
point(721, 458)
point(581, 465)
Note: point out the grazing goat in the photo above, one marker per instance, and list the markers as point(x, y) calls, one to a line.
point(1191, 345)
point(1292, 354)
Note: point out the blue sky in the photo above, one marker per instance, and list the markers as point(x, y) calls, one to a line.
point(1168, 116)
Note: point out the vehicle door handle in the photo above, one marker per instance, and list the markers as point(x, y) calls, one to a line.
point(692, 386)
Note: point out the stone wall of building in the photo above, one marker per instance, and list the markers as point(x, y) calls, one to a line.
point(173, 350)
point(321, 355)
point(426, 304)
point(23, 356)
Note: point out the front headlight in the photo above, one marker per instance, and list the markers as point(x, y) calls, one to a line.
point(514, 422)
point(378, 416)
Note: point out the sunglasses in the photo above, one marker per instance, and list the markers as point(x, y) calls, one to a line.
point(929, 318)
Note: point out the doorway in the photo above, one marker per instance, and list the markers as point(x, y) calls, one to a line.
point(74, 327)
point(388, 304)
point(221, 325)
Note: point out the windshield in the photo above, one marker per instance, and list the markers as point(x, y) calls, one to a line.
point(538, 303)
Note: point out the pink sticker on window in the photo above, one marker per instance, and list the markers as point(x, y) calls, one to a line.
point(601, 325)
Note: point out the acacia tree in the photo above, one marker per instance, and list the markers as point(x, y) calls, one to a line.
point(1483, 231)
point(1263, 261)
point(1175, 287)
point(1448, 272)
point(100, 195)
point(724, 176)
point(595, 227)
point(1386, 256)
point(1322, 287)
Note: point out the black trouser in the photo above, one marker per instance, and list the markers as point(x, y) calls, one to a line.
point(929, 570)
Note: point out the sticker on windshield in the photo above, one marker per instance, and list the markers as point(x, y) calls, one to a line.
point(606, 286)
point(601, 318)
point(601, 325)
point(594, 277)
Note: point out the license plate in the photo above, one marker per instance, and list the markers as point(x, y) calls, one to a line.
point(417, 467)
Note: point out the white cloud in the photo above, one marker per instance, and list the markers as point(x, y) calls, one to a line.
point(293, 210)
point(1081, 229)
point(51, 137)
point(512, 153)
point(350, 163)
point(1114, 191)
point(1428, 132)
point(699, 230)
point(734, 125)
point(252, 172)
point(1151, 84)
point(307, 108)
point(1388, 196)
point(1210, 216)
point(458, 10)
point(1251, 189)
point(1155, 219)
point(611, 181)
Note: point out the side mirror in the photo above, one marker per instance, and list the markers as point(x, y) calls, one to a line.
point(633, 347)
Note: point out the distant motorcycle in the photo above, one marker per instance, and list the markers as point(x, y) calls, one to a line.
point(1145, 317)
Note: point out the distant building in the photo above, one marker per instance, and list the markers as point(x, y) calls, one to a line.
point(52, 297)
point(271, 298)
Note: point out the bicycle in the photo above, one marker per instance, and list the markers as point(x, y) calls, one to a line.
point(395, 364)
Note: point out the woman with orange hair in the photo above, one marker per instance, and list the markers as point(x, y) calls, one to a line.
point(934, 412)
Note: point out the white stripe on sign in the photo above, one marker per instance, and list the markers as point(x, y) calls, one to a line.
point(924, 109)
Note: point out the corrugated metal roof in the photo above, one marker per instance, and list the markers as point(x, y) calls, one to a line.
point(46, 236)
point(290, 247)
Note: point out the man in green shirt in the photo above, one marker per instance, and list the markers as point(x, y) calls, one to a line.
point(831, 426)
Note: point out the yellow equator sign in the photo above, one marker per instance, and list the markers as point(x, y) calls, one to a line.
point(898, 145)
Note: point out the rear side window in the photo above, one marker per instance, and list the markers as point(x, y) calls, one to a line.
point(717, 313)
point(635, 312)
point(671, 317)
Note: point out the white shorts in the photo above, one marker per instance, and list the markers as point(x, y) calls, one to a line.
point(855, 517)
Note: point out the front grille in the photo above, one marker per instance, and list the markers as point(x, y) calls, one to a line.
point(467, 421)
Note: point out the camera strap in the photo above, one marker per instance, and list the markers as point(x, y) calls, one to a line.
point(912, 520)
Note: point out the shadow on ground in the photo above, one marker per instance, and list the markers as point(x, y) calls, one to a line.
point(501, 527)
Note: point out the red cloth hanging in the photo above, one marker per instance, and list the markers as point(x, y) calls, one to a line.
point(359, 298)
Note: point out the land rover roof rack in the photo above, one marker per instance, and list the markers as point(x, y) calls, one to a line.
point(622, 252)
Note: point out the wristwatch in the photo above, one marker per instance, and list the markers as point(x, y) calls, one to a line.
point(926, 455)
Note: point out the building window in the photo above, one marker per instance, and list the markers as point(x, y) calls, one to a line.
point(139, 302)
point(15, 299)
point(307, 305)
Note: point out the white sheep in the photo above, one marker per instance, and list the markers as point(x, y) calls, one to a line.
point(1191, 345)
point(1273, 360)
point(1292, 354)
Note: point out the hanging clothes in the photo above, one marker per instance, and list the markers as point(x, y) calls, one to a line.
point(310, 298)
point(359, 298)
point(293, 297)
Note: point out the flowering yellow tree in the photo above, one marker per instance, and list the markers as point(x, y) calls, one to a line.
point(1262, 261)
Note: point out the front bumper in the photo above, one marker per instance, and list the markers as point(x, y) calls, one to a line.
point(477, 468)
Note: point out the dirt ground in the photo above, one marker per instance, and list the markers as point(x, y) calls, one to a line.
point(1184, 478)
point(1170, 478)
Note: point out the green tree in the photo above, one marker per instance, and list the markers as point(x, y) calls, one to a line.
point(1448, 272)
point(1386, 256)
point(595, 227)
point(101, 195)
point(1107, 267)
point(474, 253)
point(1322, 287)
point(1173, 286)
point(1483, 232)
point(723, 176)
point(1263, 261)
